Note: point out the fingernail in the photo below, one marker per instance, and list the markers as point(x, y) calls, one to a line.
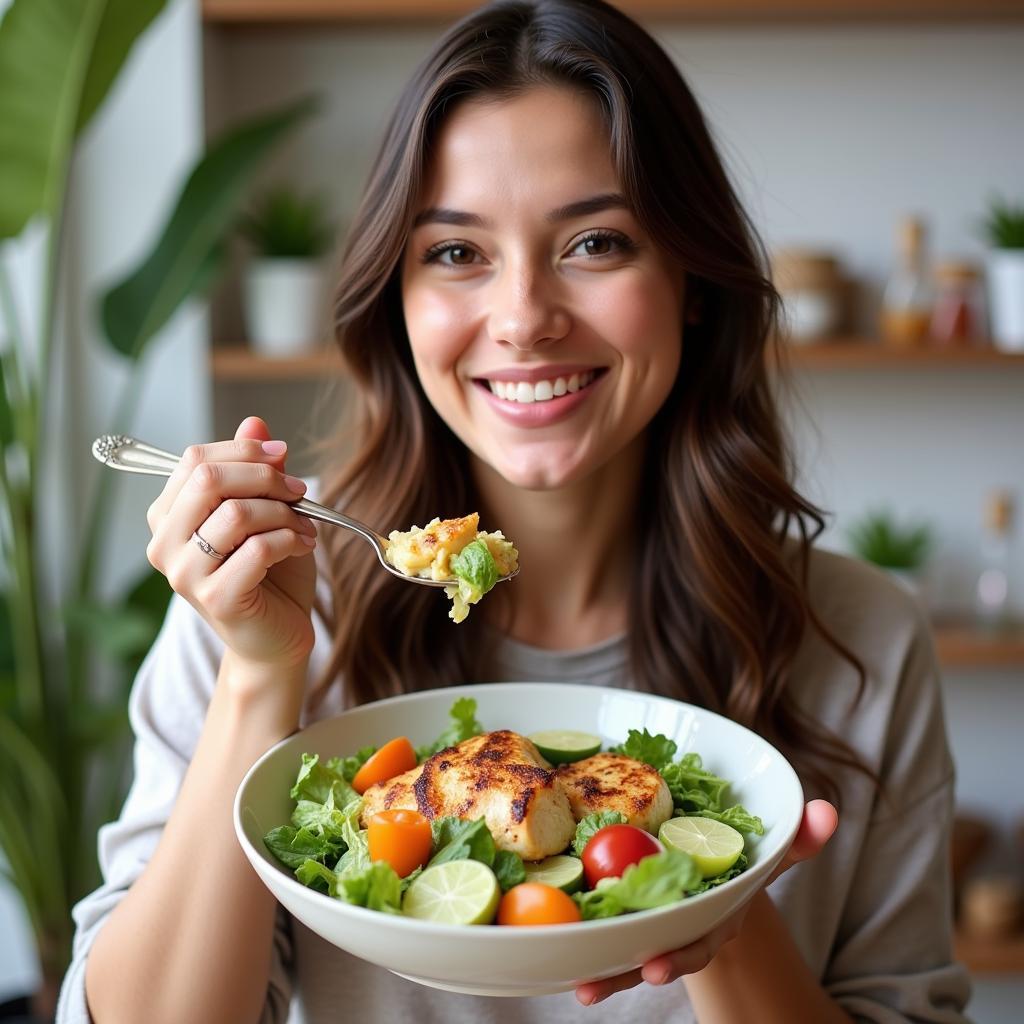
point(659, 977)
point(310, 541)
point(275, 447)
point(293, 483)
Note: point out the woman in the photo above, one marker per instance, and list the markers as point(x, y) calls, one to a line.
point(555, 313)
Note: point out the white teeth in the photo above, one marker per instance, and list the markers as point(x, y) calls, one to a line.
point(543, 391)
point(524, 392)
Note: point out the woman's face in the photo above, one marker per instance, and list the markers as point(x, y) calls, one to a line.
point(545, 324)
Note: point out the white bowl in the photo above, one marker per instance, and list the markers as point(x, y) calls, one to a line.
point(537, 960)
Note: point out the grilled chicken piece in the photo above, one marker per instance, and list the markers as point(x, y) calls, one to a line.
point(499, 776)
point(614, 782)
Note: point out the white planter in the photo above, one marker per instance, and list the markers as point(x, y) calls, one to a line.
point(285, 309)
point(1006, 298)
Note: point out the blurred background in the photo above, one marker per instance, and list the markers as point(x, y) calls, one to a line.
point(879, 148)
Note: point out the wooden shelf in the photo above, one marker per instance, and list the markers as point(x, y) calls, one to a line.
point(870, 354)
point(238, 12)
point(237, 363)
point(961, 645)
point(985, 956)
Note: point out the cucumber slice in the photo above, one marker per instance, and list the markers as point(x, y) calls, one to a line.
point(563, 746)
point(454, 892)
point(561, 871)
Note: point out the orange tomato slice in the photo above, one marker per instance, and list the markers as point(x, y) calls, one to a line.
point(536, 903)
point(400, 837)
point(395, 757)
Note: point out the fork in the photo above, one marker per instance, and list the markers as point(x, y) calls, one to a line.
point(133, 456)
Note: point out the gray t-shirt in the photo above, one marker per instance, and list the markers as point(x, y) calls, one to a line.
point(871, 914)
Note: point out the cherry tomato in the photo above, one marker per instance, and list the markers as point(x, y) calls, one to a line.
point(613, 848)
point(536, 903)
point(400, 837)
point(395, 757)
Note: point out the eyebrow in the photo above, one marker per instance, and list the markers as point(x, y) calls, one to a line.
point(581, 208)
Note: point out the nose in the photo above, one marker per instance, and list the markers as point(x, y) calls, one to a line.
point(526, 308)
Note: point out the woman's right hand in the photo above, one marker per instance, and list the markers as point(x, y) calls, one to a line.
point(235, 495)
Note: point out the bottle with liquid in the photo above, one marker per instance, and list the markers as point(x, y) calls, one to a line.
point(992, 594)
point(908, 297)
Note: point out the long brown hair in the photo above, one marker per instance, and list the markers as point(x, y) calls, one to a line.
point(719, 604)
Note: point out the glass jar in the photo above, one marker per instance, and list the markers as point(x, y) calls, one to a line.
point(811, 287)
point(958, 318)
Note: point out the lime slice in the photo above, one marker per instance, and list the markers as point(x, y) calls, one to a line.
point(561, 871)
point(455, 892)
point(562, 746)
point(713, 845)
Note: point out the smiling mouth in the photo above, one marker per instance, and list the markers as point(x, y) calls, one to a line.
point(526, 393)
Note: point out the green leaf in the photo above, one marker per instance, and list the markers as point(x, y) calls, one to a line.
point(293, 846)
point(655, 881)
point(458, 839)
point(137, 308)
point(657, 751)
point(508, 869)
point(464, 726)
point(376, 887)
point(737, 816)
point(317, 876)
point(58, 59)
point(347, 767)
point(6, 417)
point(692, 786)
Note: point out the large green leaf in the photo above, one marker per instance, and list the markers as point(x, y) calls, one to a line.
point(58, 59)
point(180, 263)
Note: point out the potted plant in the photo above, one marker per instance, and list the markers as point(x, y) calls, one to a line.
point(902, 550)
point(68, 652)
point(1004, 229)
point(284, 282)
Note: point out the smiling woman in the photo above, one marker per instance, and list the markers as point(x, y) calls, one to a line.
point(554, 311)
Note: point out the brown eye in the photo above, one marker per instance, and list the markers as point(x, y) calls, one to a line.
point(460, 256)
point(597, 246)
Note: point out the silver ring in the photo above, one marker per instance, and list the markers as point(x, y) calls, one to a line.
point(207, 547)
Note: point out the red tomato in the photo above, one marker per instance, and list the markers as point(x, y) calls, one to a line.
point(395, 757)
point(613, 848)
point(536, 903)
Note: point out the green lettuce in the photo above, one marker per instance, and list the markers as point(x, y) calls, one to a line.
point(464, 726)
point(655, 881)
point(657, 751)
point(474, 567)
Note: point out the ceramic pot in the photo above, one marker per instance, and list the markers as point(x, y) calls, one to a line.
point(1006, 298)
point(284, 305)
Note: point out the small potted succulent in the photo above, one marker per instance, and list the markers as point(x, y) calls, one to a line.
point(284, 284)
point(1004, 230)
point(902, 550)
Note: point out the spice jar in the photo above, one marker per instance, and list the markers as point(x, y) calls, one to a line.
point(958, 316)
point(811, 287)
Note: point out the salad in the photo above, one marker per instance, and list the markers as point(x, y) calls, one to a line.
point(351, 838)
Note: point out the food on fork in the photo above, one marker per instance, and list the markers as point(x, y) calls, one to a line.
point(499, 776)
point(456, 549)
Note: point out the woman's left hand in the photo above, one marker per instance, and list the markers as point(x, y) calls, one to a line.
point(819, 822)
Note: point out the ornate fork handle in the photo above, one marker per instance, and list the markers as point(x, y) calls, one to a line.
point(133, 456)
